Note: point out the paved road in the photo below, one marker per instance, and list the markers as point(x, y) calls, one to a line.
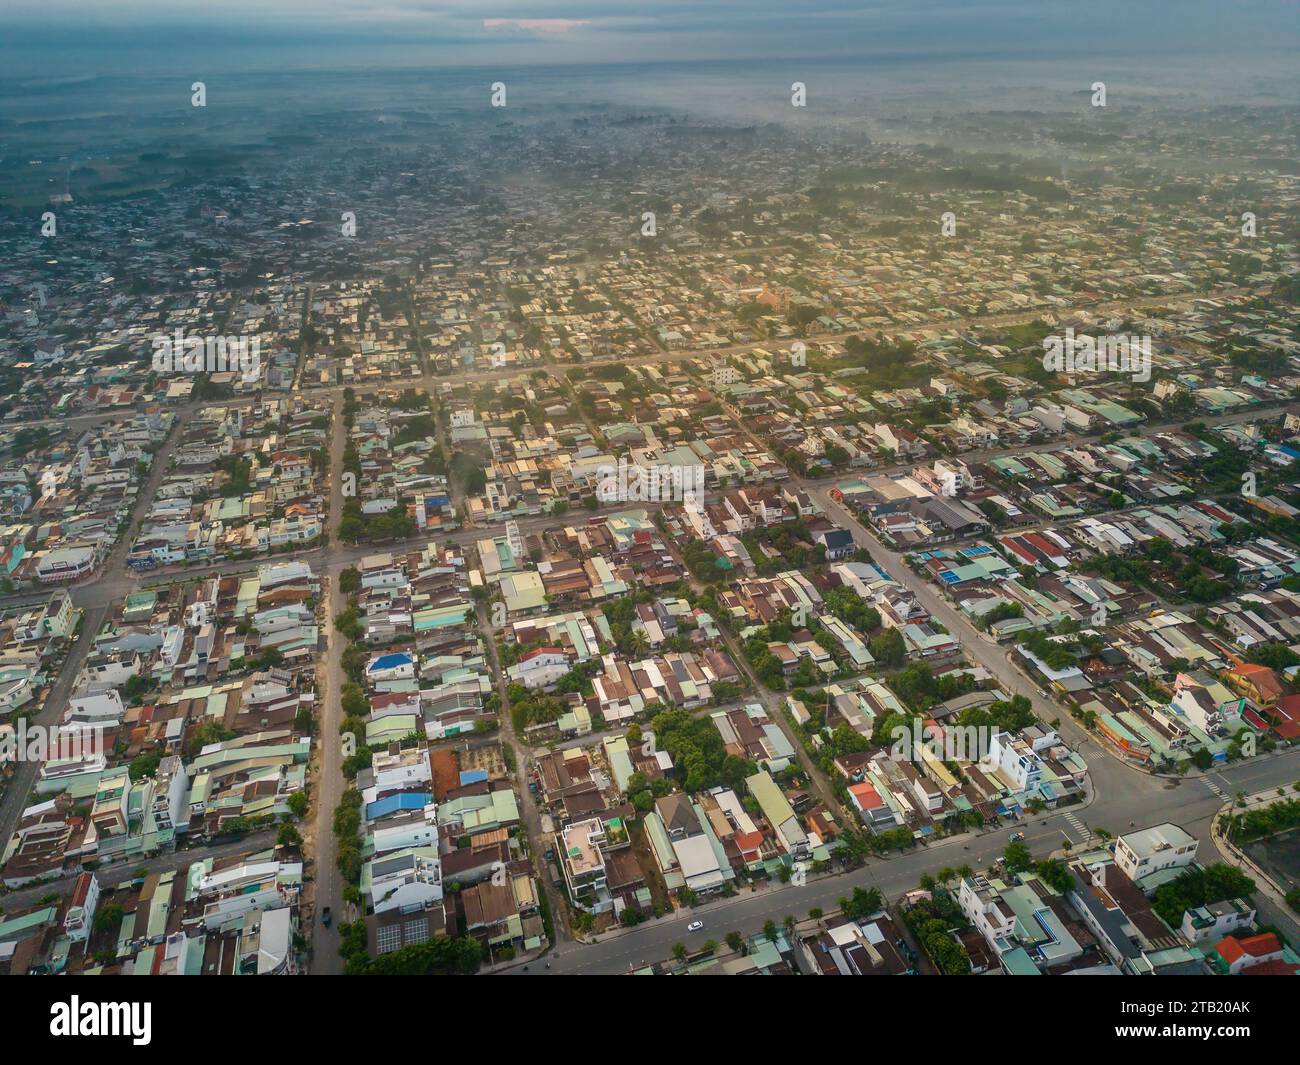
point(328, 782)
point(976, 645)
point(16, 797)
point(529, 809)
point(110, 876)
point(1139, 798)
point(774, 704)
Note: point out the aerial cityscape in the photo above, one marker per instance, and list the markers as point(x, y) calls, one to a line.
point(566, 491)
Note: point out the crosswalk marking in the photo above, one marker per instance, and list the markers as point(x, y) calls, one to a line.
point(1212, 786)
point(1084, 833)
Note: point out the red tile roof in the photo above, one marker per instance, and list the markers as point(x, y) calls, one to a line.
point(542, 651)
point(1262, 944)
point(1276, 967)
point(1231, 949)
point(1264, 679)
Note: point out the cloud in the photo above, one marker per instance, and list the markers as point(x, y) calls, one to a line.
point(535, 25)
point(55, 36)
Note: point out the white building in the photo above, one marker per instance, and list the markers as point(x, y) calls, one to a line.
point(80, 918)
point(1209, 924)
point(540, 668)
point(98, 710)
point(1016, 761)
point(406, 881)
point(1150, 850)
point(987, 911)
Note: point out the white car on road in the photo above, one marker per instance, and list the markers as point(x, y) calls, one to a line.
point(695, 926)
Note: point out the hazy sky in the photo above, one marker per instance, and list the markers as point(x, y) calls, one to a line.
point(61, 37)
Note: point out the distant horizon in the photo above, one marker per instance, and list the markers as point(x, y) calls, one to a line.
point(61, 38)
point(891, 55)
point(735, 90)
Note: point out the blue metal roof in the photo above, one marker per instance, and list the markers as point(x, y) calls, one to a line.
point(390, 661)
point(403, 800)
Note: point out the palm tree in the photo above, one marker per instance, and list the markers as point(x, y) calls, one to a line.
point(679, 951)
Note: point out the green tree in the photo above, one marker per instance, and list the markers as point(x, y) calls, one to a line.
point(1055, 874)
point(888, 649)
point(1017, 857)
point(861, 904)
point(108, 918)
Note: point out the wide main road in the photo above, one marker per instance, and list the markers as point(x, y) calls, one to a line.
point(329, 783)
point(1145, 801)
point(18, 793)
